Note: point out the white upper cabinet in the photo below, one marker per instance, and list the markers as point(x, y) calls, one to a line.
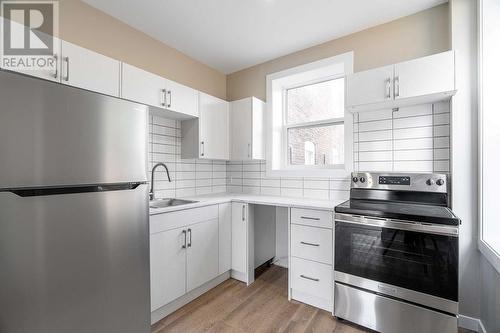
point(423, 80)
point(144, 87)
point(181, 99)
point(425, 76)
point(89, 70)
point(207, 137)
point(371, 86)
point(247, 129)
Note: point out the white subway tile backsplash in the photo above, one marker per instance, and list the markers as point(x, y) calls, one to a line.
point(413, 155)
point(412, 133)
point(373, 136)
point(377, 125)
point(410, 122)
point(418, 141)
point(374, 166)
point(422, 143)
point(374, 146)
point(375, 156)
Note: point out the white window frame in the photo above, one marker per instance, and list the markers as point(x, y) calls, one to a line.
point(277, 84)
point(491, 254)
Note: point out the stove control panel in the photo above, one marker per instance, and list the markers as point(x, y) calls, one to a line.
point(428, 182)
point(394, 180)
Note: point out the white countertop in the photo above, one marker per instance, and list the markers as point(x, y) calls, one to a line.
point(218, 198)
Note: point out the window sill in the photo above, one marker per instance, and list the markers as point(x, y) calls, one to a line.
point(490, 255)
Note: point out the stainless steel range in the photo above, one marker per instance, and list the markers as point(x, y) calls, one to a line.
point(396, 254)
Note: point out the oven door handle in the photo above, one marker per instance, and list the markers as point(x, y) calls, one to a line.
point(415, 226)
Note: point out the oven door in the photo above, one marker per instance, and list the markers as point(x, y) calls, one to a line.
point(417, 258)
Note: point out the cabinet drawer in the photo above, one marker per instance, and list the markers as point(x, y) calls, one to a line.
point(180, 218)
point(312, 278)
point(315, 218)
point(312, 243)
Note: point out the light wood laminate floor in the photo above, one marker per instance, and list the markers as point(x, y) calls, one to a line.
point(261, 307)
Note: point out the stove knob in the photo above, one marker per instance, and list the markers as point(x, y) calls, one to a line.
point(430, 182)
point(362, 179)
point(440, 182)
point(355, 179)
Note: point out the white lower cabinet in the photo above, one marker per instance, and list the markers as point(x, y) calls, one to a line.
point(311, 263)
point(224, 237)
point(184, 252)
point(239, 237)
point(168, 267)
point(202, 253)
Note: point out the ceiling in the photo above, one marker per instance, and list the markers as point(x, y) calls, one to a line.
point(230, 35)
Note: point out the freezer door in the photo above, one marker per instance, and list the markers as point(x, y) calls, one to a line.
point(51, 135)
point(75, 263)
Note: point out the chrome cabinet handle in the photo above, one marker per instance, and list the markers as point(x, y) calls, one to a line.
point(309, 278)
point(202, 148)
point(396, 86)
point(388, 88)
point(169, 99)
point(56, 73)
point(66, 59)
point(163, 97)
point(310, 244)
point(184, 233)
point(249, 150)
point(243, 213)
point(310, 218)
point(190, 238)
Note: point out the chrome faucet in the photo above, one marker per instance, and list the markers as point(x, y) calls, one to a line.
point(152, 191)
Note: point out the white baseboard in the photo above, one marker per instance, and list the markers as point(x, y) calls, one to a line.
point(473, 324)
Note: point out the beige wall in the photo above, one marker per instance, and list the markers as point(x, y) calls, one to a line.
point(410, 37)
point(88, 27)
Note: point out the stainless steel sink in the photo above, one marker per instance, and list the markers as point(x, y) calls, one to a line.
point(163, 203)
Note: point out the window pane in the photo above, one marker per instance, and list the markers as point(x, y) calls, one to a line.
point(321, 145)
point(490, 122)
point(319, 101)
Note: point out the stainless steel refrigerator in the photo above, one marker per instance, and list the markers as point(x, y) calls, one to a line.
point(74, 234)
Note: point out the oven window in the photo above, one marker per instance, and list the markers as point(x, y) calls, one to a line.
point(422, 262)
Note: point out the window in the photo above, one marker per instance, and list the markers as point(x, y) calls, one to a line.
point(315, 118)
point(489, 124)
point(310, 134)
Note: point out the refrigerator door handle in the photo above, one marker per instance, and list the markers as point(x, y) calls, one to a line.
point(58, 190)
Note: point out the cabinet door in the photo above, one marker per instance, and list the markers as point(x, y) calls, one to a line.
point(239, 233)
point(258, 147)
point(182, 99)
point(224, 237)
point(202, 253)
point(168, 266)
point(214, 127)
point(89, 70)
point(371, 86)
point(143, 87)
point(50, 73)
point(425, 76)
point(241, 127)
